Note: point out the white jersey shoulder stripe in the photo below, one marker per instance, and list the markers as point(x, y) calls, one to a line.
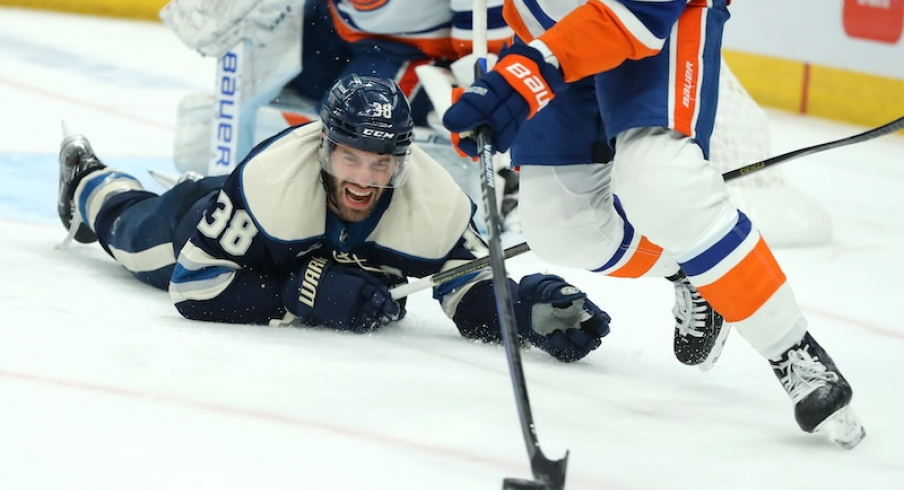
point(282, 188)
point(427, 215)
point(284, 196)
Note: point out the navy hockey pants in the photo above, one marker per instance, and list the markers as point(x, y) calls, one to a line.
point(144, 231)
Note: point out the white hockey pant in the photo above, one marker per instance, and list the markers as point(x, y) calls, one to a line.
point(679, 202)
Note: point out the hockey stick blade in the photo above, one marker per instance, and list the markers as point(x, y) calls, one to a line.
point(883, 130)
point(551, 473)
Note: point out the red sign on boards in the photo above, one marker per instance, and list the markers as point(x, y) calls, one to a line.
point(876, 20)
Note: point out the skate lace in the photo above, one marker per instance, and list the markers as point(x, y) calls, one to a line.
point(690, 310)
point(803, 374)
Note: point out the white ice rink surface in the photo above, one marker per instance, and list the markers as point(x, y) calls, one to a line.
point(104, 386)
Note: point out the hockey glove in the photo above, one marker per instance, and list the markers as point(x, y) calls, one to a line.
point(518, 86)
point(558, 318)
point(323, 293)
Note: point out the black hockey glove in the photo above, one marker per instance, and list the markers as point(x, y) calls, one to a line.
point(324, 293)
point(558, 318)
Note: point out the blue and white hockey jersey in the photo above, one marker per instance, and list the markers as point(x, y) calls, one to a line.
point(271, 213)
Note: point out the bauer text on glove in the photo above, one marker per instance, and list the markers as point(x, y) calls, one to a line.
point(520, 84)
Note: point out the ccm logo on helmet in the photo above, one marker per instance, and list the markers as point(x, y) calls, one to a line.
point(376, 133)
point(533, 83)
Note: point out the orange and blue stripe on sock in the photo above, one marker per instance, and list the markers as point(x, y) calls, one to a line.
point(738, 274)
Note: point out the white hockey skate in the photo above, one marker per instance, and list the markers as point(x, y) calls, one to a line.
point(820, 393)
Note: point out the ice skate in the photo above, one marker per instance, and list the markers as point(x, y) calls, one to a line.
point(820, 393)
point(77, 159)
point(700, 332)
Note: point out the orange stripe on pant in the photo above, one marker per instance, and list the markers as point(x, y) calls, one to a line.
point(640, 263)
point(687, 68)
point(747, 286)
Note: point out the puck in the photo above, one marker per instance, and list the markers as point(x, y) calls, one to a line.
point(519, 484)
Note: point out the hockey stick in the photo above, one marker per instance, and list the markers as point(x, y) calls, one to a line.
point(550, 474)
point(889, 128)
point(469, 267)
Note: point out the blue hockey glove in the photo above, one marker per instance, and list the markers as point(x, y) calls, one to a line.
point(558, 318)
point(516, 88)
point(323, 293)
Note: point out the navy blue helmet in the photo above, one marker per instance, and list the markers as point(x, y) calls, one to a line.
point(371, 115)
point(368, 113)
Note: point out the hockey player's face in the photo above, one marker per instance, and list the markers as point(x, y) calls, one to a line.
point(363, 168)
point(358, 180)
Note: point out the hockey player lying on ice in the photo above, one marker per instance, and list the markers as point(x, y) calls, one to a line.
point(313, 227)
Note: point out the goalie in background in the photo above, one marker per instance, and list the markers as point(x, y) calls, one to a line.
point(642, 79)
point(388, 39)
point(313, 228)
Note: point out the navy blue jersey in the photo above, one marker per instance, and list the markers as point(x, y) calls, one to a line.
point(271, 214)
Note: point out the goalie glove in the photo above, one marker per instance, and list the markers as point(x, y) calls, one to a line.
point(213, 27)
point(520, 84)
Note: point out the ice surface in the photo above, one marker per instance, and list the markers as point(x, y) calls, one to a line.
point(105, 386)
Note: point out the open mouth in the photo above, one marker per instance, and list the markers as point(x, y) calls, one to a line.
point(358, 198)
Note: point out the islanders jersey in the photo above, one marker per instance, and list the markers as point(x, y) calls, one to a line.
point(654, 63)
point(271, 214)
point(439, 28)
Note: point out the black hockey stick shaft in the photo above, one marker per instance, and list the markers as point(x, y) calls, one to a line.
point(548, 472)
point(551, 473)
point(883, 130)
point(462, 270)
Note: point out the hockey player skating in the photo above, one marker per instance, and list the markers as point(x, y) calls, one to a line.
point(611, 98)
point(313, 228)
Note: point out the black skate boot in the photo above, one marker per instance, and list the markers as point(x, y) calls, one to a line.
point(820, 393)
point(77, 159)
point(700, 332)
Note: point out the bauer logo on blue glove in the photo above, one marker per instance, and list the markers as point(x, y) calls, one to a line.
point(520, 84)
point(530, 84)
